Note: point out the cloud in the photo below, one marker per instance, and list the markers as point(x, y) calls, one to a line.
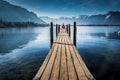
point(69, 7)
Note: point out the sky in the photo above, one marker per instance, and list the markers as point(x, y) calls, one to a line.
point(68, 8)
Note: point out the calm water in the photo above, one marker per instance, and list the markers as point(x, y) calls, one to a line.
point(23, 50)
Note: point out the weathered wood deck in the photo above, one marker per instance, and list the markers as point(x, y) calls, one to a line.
point(63, 62)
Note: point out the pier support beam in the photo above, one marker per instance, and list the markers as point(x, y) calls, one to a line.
point(74, 33)
point(69, 30)
point(51, 34)
point(56, 30)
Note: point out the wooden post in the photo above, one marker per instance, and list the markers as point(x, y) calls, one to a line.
point(51, 34)
point(74, 33)
point(69, 29)
point(56, 29)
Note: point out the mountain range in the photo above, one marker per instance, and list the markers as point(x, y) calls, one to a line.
point(112, 17)
point(13, 13)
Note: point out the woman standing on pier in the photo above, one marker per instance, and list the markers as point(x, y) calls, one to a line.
point(63, 26)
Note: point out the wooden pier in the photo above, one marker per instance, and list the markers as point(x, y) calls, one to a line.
point(63, 62)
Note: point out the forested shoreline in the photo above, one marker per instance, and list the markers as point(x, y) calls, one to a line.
point(19, 24)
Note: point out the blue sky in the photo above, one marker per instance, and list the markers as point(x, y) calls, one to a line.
point(69, 8)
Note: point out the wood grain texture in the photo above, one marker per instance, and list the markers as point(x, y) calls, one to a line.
point(63, 62)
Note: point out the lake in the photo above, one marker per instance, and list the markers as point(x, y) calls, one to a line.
point(23, 50)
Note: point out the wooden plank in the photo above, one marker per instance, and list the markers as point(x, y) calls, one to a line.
point(56, 70)
point(42, 68)
point(63, 67)
point(86, 71)
point(79, 70)
point(47, 71)
point(71, 71)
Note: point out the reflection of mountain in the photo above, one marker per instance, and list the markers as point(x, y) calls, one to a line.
point(109, 18)
point(12, 13)
point(15, 37)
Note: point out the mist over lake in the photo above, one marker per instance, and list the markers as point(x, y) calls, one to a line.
point(23, 51)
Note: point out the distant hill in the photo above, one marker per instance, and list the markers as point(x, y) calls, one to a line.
point(112, 17)
point(13, 13)
point(58, 20)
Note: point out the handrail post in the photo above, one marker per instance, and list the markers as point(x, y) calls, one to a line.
point(51, 34)
point(56, 30)
point(74, 33)
point(69, 30)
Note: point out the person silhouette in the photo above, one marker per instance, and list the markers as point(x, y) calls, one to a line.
point(63, 26)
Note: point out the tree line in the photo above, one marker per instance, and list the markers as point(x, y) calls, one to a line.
point(19, 24)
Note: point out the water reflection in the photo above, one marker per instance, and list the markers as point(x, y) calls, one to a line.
point(30, 47)
point(22, 51)
point(100, 49)
point(12, 38)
